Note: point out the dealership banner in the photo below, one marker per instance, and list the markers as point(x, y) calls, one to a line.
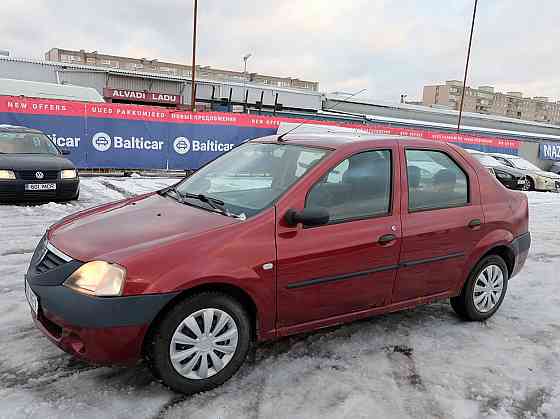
point(110, 135)
point(549, 151)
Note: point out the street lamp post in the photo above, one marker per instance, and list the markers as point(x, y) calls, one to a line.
point(245, 92)
point(193, 70)
point(466, 68)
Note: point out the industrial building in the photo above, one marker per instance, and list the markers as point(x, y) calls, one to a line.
point(128, 86)
point(96, 59)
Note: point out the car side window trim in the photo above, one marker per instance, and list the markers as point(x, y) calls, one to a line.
point(390, 210)
point(454, 160)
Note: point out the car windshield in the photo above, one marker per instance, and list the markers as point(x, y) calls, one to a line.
point(26, 143)
point(251, 177)
point(523, 164)
point(486, 160)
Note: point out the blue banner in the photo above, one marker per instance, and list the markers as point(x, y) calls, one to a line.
point(549, 151)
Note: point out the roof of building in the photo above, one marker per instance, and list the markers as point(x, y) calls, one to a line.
point(150, 75)
point(431, 110)
point(12, 87)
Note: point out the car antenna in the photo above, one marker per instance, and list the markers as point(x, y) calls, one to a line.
point(281, 137)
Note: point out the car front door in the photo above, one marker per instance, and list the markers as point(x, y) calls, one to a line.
point(441, 220)
point(350, 263)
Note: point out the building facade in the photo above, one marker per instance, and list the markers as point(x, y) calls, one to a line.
point(485, 100)
point(97, 59)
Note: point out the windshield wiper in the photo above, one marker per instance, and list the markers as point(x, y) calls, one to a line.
point(213, 202)
point(216, 204)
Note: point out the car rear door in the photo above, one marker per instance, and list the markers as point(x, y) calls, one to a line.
point(349, 264)
point(441, 220)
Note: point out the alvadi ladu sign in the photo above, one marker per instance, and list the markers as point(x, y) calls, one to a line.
point(549, 151)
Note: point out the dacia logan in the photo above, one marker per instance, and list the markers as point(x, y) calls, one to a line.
point(276, 237)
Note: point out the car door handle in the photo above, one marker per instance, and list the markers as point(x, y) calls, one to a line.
point(386, 239)
point(475, 223)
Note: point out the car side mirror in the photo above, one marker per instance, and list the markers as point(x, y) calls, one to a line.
point(309, 217)
point(65, 152)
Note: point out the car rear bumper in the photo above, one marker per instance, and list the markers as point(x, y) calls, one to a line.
point(520, 246)
point(97, 330)
point(14, 190)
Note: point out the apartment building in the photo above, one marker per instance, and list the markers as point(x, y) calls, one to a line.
point(97, 59)
point(486, 100)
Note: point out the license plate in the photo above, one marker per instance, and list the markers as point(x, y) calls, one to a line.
point(31, 298)
point(521, 182)
point(40, 186)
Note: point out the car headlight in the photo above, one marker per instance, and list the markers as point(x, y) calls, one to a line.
point(7, 175)
point(69, 174)
point(98, 278)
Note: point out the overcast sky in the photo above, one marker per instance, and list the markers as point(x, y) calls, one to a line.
point(388, 47)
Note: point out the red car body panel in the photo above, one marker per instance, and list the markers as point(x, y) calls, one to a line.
point(168, 247)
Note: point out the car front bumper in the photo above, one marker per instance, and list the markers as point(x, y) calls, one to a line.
point(547, 184)
point(101, 330)
point(14, 190)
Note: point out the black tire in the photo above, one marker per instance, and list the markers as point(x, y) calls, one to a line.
point(531, 184)
point(464, 304)
point(158, 356)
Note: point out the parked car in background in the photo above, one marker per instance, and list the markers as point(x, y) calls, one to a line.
point(33, 168)
point(276, 237)
point(555, 168)
point(510, 177)
point(539, 180)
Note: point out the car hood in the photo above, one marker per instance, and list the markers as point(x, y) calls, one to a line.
point(34, 162)
point(550, 175)
point(116, 231)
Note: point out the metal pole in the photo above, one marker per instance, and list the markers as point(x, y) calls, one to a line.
point(466, 68)
point(193, 71)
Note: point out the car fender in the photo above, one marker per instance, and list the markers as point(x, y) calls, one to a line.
point(494, 239)
point(248, 281)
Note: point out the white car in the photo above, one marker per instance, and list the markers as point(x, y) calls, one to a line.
point(539, 180)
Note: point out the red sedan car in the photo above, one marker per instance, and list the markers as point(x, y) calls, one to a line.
point(277, 236)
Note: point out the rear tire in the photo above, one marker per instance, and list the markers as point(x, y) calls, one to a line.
point(484, 290)
point(531, 184)
point(200, 343)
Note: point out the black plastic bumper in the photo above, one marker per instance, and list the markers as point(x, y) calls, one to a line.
point(14, 190)
point(96, 312)
point(520, 246)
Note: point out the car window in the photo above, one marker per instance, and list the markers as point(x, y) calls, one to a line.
point(503, 161)
point(252, 176)
point(26, 143)
point(358, 187)
point(434, 181)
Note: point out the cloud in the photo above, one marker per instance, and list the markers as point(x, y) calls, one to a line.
point(388, 47)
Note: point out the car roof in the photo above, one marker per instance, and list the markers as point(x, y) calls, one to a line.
point(507, 156)
point(16, 128)
point(342, 140)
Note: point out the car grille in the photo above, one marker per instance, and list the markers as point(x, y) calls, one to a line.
point(32, 174)
point(49, 262)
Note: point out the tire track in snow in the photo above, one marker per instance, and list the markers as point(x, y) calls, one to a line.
point(418, 401)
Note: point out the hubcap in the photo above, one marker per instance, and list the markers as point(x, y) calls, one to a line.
point(203, 344)
point(488, 288)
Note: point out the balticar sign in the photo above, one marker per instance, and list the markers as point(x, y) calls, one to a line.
point(141, 96)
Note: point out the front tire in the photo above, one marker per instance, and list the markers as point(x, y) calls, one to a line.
point(200, 343)
point(484, 291)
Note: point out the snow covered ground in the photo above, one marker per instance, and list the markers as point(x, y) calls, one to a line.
point(420, 363)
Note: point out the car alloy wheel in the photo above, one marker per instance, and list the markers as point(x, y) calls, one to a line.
point(203, 344)
point(488, 288)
